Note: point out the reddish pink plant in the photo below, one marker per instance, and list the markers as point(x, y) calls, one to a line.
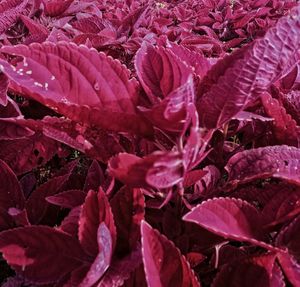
point(149, 143)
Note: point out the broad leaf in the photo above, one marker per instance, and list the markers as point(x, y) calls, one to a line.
point(274, 161)
point(24, 249)
point(10, 10)
point(285, 128)
point(56, 7)
point(60, 75)
point(163, 263)
point(24, 154)
point(290, 260)
point(95, 210)
point(241, 273)
point(102, 261)
point(159, 169)
point(36, 204)
point(128, 208)
point(231, 218)
point(67, 199)
point(11, 194)
point(120, 269)
point(159, 71)
point(238, 80)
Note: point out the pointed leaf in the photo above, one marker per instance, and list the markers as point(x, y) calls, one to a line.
point(231, 218)
point(10, 10)
point(120, 269)
point(36, 204)
point(102, 261)
point(24, 250)
point(246, 73)
point(196, 60)
point(95, 210)
point(48, 73)
point(285, 128)
point(11, 194)
point(67, 199)
point(159, 71)
point(159, 169)
point(272, 161)
point(128, 208)
point(163, 263)
point(70, 222)
point(171, 112)
point(244, 273)
point(94, 177)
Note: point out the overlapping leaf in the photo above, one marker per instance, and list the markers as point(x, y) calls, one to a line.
point(10, 10)
point(24, 250)
point(274, 161)
point(231, 218)
point(96, 210)
point(159, 72)
point(128, 209)
point(237, 80)
point(163, 263)
point(77, 82)
point(160, 169)
point(289, 239)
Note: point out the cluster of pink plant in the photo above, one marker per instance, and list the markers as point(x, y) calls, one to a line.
point(149, 143)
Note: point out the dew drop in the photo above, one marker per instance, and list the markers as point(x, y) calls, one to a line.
point(96, 86)
point(64, 100)
point(25, 64)
point(38, 84)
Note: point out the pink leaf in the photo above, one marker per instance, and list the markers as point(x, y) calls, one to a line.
point(94, 177)
point(285, 128)
point(272, 161)
point(24, 250)
point(94, 142)
point(102, 261)
point(239, 79)
point(120, 269)
point(243, 272)
point(231, 218)
point(11, 194)
point(159, 71)
point(58, 75)
point(95, 210)
point(3, 89)
point(67, 199)
point(55, 8)
point(159, 169)
point(24, 154)
point(170, 113)
point(196, 60)
point(70, 222)
point(128, 208)
point(163, 263)
point(36, 204)
point(10, 129)
point(10, 10)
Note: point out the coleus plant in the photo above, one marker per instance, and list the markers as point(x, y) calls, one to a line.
point(147, 143)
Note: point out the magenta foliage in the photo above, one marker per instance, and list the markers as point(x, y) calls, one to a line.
point(149, 143)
